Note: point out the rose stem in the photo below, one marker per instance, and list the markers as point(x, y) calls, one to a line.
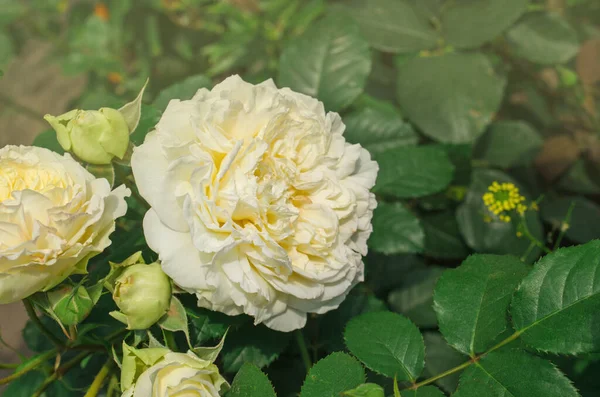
point(31, 365)
point(100, 378)
point(303, 350)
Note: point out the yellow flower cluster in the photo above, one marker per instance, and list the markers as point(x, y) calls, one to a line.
point(503, 198)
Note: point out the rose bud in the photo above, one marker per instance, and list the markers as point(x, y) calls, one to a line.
point(95, 136)
point(143, 293)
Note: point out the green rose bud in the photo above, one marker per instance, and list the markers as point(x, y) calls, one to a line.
point(143, 293)
point(95, 136)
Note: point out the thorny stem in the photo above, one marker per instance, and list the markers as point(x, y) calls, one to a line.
point(303, 349)
point(36, 321)
point(465, 364)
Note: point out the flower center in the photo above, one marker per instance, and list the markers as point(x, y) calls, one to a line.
point(15, 176)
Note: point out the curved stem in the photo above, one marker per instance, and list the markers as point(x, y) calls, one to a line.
point(60, 372)
point(465, 364)
point(31, 365)
point(36, 320)
point(303, 349)
point(96, 385)
point(531, 237)
point(442, 375)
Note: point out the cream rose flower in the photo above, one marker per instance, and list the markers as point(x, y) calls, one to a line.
point(54, 216)
point(175, 374)
point(169, 374)
point(259, 205)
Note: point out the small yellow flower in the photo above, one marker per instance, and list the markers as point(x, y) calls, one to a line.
point(519, 234)
point(503, 198)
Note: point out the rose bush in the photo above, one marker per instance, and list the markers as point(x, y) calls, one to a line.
point(482, 274)
point(259, 205)
point(54, 216)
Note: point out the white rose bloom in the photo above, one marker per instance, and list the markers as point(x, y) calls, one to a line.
point(179, 374)
point(54, 216)
point(259, 205)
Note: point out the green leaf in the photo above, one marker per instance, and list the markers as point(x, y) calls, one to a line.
point(258, 345)
point(378, 130)
point(577, 180)
point(494, 237)
point(365, 390)
point(175, 319)
point(472, 300)
point(508, 143)
point(408, 172)
point(183, 90)
point(35, 340)
point(132, 111)
point(47, 139)
point(330, 61)
point(544, 38)
point(584, 224)
point(332, 376)
point(251, 382)
point(557, 306)
point(425, 391)
point(384, 272)
point(442, 236)
point(396, 230)
point(70, 304)
point(208, 325)
point(393, 25)
point(414, 297)
point(440, 357)
point(333, 323)
point(149, 117)
point(452, 97)
point(470, 23)
point(514, 373)
point(387, 343)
